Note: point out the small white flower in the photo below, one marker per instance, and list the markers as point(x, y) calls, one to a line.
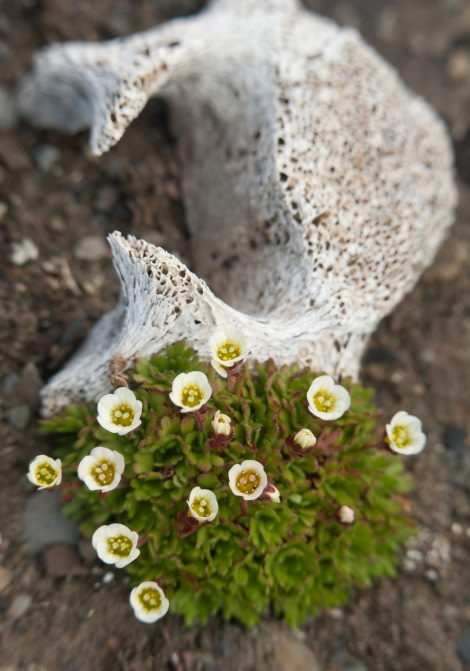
point(203, 504)
point(119, 412)
point(101, 469)
point(116, 544)
point(221, 424)
point(149, 602)
point(247, 479)
point(190, 391)
point(326, 399)
point(228, 347)
point(45, 472)
point(404, 433)
point(305, 439)
point(347, 514)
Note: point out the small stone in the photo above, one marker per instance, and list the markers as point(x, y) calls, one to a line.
point(106, 198)
point(8, 111)
point(30, 384)
point(62, 560)
point(19, 606)
point(19, 416)
point(456, 528)
point(91, 248)
point(5, 577)
point(23, 252)
point(431, 574)
point(43, 523)
point(9, 382)
point(291, 654)
point(107, 578)
point(46, 157)
point(463, 645)
point(458, 65)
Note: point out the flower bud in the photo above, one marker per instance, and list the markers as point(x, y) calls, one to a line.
point(346, 514)
point(221, 424)
point(305, 439)
point(271, 493)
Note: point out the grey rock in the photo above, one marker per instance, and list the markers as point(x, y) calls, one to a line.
point(43, 523)
point(9, 382)
point(91, 248)
point(46, 157)
point(463, 645)
point(8, 110)
point(291, 654)
point(19, 416)
point(30, 384)
point(23, 252)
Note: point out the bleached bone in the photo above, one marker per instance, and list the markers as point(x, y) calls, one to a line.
point(317, 187)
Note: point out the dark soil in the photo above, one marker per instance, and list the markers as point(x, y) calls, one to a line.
point(55, 193)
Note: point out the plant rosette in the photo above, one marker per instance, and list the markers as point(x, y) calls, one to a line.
point(254, 527)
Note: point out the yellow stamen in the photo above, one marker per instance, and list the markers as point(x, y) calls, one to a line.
point(150, 599)
point(120, 546)
point(248, 482)
point(123, 415)
point(324, 402)
point(228, 351)
point(45, 474)
point(191, 396)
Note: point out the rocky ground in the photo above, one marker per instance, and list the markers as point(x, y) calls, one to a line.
point(59, 609)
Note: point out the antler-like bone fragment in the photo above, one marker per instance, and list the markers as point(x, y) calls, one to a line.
point(317, 187)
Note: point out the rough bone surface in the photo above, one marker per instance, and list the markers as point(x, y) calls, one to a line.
point(317, 187)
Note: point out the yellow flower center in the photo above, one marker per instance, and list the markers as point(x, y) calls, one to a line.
point(123, 415)
point(104, 472)
point(46, 474)
point(150, 598)
point(201, 507)
point(248, 481)
point(400, 437)
point(324, 402)
point(120, 546)
point(191, 396)
point(228, 351)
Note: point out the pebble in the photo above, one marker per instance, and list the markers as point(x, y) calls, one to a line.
point(291, 654)
point(91, 248)
point(458, 65)
point(19, 606)
point(46, 157)
point(43, 523)
point(23, 252)
point(9, 382)
point(29, 385)
point(61, 560)
point(107, 578)
point(5, 577)
point(8, 111)
point(106, 198)
point(19, 416)
point(463, 645)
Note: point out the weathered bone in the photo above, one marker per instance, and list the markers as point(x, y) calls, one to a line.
point(317, 187)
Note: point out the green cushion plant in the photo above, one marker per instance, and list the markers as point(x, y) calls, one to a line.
point(339, 522)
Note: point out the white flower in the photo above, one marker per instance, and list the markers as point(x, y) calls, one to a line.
point(247, 479)
point(116, 544)
point(101, 469)
point(347, 514)
point(221, 424)
point(203, 504)
point(404, 434)
point(190, 391)
point(149, 602)
point(326, 399)
point(228, 347)
point(45, 472)
point(119, 412)
point(305, 439)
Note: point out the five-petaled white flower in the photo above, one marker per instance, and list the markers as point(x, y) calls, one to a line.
point(116, 544)
point(326, 399)
point(228, 347)
point(149, 602)
point(101, 469)
point(346, 514)
point(45, 472)
point(247, 479)
point(203, 504)
point(190, 391)
point(221, 424)
point(119, 412)
point(404, 434)
point(305, 439)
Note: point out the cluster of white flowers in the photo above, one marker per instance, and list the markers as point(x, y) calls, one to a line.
point(120, 413)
